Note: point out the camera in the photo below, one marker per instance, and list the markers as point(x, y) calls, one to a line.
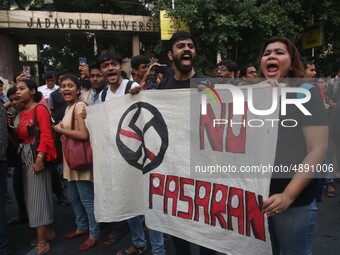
point(160, 69)
point(82, 61)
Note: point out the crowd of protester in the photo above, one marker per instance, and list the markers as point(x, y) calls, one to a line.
point(291, 206)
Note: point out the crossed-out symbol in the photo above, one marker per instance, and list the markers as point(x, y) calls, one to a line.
point(130, 137)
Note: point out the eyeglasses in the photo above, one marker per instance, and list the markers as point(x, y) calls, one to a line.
point(252, 72)
point(221, 69)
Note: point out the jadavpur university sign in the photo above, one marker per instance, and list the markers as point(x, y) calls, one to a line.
point(77, 21)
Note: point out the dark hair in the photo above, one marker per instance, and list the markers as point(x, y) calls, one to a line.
point(307, 63)
point(73, 78)
point(37, 96)
point(179, 35)
point(328, 73)
point(11, 91)
point(16, 75)
point(93, 66)
point(138, 60)
point(336, 67)
point(297, 70)
point(243, 71)
point(106, 56)
point(230, 65)
point(1, 82)
point(124, 74)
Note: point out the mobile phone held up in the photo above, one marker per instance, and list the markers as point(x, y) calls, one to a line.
point(160, 69)
point(27, 71)
point(82, 61)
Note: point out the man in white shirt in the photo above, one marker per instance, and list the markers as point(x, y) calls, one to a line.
point(110, 66)
point(50, 86)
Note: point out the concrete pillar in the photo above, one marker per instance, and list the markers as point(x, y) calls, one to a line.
point(135, 45)
point(9, 64)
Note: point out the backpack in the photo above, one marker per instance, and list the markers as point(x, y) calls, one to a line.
point(104, 92)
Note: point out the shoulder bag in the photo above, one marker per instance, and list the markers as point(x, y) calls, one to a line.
point(77, 153)
point(34, 136)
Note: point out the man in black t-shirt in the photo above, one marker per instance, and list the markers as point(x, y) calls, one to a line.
point(182, 52)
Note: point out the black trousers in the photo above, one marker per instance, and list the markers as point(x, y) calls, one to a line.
point(4, 246)
point(182, 247)
point(57, 186)
point(18, 188)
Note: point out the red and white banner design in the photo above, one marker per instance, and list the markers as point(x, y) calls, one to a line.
point(143, 164)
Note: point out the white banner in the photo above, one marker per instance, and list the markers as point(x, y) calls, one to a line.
point(146, 152)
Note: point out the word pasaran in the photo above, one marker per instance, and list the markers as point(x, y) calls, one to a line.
point(216, 203)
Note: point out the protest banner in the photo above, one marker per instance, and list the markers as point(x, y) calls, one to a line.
point(146, 151)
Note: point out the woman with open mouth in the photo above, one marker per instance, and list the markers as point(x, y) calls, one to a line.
point(291, 206)
point(80, 183)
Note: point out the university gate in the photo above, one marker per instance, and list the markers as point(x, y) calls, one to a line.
point(132, 33)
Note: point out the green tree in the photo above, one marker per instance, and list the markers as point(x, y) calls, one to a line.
point(64, 56)
point(129, 7)
point(238, 28)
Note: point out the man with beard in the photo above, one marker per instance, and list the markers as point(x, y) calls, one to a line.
point(182, 52)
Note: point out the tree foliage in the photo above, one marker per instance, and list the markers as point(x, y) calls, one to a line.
point(129, 7)
point(238, 28)
point(64, 56)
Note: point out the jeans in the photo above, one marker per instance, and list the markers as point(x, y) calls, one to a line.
point(333, 159)
point(81, 196)
point(291, 231)
point(138, 237)
point(4, 246)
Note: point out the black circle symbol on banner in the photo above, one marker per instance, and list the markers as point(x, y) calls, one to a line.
point(130, 137)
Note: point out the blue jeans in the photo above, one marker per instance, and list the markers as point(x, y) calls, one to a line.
point(138, 237)
point(81, 196)
point(291, 231)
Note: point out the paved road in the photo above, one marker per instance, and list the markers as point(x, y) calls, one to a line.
point(327, 239)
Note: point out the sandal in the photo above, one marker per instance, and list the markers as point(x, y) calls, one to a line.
point(34, 242)
point(132, 250)
point(330, 190)
point(113, 238)
point(43, 248)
